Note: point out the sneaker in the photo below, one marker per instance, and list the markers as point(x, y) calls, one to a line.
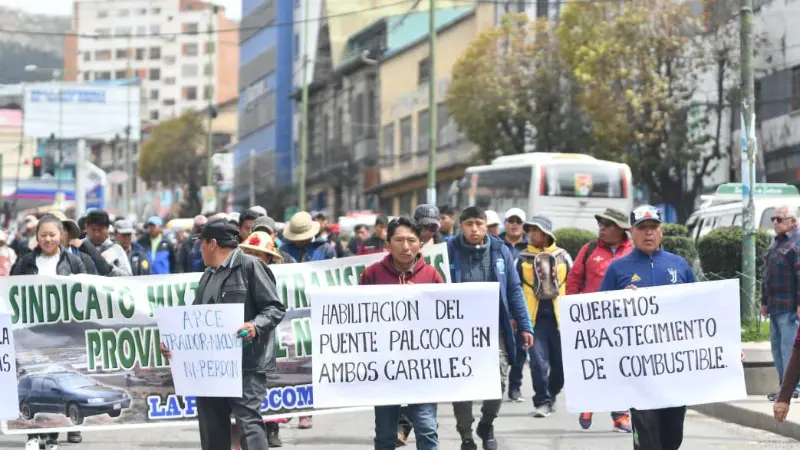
point(468, 444)
point(515, 396)
point(486, 433)
point(585, 420)
point(274, 439)
point(623, 424)
point(541, 411)
point(305, 423)
point(74, 437)
point(32, 444)
point(772, 397)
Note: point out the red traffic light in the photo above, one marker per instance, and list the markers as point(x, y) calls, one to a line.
point(37, 162)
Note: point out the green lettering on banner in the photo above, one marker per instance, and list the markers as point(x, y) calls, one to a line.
point(93, 304)
point(35, 304)
point(110, 350)
point(301, 330)
point(53, 305)
point(77, 288)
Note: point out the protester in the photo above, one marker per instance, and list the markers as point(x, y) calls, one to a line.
point(230, 270)
point(267, 225)
point(779, 299)
point(477, 257)
point(335, 240)
point(649, 265)
point(543, 269)
point(377, 242)
point(427, 217)
point(246, 220)
point(7, 255)
point(24, 242)
point(361, 234)
point(585, 277)
point(160, 252)
point(97, 229)
point(188, 258)
point(492, 223)
point(72, 242)
point(447, 221)
point(300, 244)
point(404, 265)
point(137, 255)
point(51, 259)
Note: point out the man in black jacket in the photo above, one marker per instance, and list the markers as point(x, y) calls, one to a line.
point(229, 269)
point(186, 260)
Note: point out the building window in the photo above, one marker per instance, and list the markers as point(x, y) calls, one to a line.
point(140, 54)
point(103, 32)
point(541, 8)
point(155, 53)
point(358, 116)
point(154, 115)
point(155, 74)
point(121, 53)
point(155, 30)
point(169, 81)
point(154, 94)
point(102, 75)
point(123, 13)
point(423, 128)
point(209, 48)
point(371, 116)
point(337, 125)
point(207, 91)
point(190, 28)
point(141, 11)
point(388, 142)
point(120, 74)
point(169, 102)
point(156, 11)
point(122, 31)
point(87, 76)
point(208, 69)
point(190, 93)
point(102, 14)
point(189, 49)
point(405, 136)
point(87, 56)
point(141, 30)
point(169, 60)
point(189, 70)
point(795, 88)
point(424, 71)
point(447, 130)
point(102, 55)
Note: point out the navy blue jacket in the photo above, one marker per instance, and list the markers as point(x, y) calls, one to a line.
point(316, 250)
point(512, 300)
point(140, 263)
point(642, 270)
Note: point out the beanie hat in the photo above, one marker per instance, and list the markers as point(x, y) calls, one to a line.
point(427, 215)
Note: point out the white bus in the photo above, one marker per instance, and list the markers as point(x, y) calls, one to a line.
point(568, 188)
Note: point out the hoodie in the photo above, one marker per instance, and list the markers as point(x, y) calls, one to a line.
point(385, 272)
point(545, 308)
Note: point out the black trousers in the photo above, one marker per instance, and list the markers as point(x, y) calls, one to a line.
point(658, 429)
point(213, 417)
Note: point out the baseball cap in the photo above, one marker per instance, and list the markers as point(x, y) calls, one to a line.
point(492, 218)
point(220, 230)
point(123, 226)
point(515, 212)
point(264, 223)
point(155, 220)
point(643, 213)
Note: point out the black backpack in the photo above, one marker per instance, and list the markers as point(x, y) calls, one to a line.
point(589, 250)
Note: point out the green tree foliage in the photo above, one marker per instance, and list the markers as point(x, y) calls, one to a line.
point(510, 87)
point(572, 239)
point(174, 154)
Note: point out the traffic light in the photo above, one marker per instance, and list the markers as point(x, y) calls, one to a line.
point(37, 167)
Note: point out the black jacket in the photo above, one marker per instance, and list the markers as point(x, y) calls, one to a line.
point(137, 256)
point(183, 257)
point(251, 282)
point(68, 264)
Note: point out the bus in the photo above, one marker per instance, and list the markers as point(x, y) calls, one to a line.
point(567, 188)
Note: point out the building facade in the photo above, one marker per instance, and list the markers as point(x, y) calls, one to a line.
point(265, 109)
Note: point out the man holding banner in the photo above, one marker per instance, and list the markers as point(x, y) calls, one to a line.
point(648, 265)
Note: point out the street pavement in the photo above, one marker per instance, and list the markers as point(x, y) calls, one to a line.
point(516, 429)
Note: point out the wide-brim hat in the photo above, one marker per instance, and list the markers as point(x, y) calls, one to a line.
point(542, 223)
point(614, 215)
point(261, 242)
point(301, 228)
point(72, 228)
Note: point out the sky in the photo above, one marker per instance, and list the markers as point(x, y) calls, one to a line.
point(233, 8)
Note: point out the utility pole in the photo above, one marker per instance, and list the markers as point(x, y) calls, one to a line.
point(301, 177)
point(211, 50)
point(432, 140)
point(748, 155)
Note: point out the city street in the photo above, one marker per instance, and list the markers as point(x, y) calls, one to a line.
point(516, 430)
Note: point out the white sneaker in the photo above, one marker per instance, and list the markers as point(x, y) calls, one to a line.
point(32, 444)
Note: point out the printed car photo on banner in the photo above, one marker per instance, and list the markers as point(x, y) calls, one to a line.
point(88, 347)
point(630, 348)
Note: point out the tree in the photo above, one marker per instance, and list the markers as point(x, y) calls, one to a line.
point(640, 65)
point(174, 154)
point(510, 88)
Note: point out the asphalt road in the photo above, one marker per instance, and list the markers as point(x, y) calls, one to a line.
point(516, 429)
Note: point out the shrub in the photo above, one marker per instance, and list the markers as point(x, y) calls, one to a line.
point(682, 246)
point(572, 239)
point(721, 252)
point(675, 229)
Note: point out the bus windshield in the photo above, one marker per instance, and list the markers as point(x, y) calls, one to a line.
point(498, 189)
point(583, 180)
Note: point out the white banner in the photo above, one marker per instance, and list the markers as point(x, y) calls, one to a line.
point(404, 344)
point(9, 399)
point(652, 347)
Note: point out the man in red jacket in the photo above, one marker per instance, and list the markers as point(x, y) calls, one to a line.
point(587, 273)
point(377, 242)
point(403, 265)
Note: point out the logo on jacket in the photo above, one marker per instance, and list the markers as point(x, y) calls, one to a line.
point(635, 278)
point(598, 258)
point(501, 265)
point(673, 275)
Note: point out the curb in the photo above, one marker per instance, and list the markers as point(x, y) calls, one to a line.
point(749, 418)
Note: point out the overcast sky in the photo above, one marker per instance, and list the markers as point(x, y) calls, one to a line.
point(233, 8)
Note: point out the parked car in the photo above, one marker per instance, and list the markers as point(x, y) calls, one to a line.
point(71, 394)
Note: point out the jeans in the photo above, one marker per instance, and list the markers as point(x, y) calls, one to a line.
point(423, 417)
point(782, 331)
point(490, 409)
point(547, 370)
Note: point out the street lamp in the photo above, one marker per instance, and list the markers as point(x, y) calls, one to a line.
point(58, 75)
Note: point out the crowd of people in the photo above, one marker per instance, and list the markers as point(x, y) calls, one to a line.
point(532, 271)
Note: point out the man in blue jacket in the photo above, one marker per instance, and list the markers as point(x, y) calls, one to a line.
point(478, 257)
point(650, 265)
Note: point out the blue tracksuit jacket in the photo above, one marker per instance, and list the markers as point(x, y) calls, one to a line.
point(643, 270)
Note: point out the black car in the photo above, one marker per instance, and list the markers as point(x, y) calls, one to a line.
point(72, 394)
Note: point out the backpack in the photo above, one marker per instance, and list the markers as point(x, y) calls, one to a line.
point(589, 250)
point(545, 273)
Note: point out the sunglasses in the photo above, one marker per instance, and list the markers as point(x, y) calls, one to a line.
point(776, 219)
point(514, 220)
point(605, 223)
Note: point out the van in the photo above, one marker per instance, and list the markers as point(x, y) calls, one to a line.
point(724, 208)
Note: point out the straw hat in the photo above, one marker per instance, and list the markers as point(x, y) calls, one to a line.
point(70, 225)
point(261, 242)
point(301, 228)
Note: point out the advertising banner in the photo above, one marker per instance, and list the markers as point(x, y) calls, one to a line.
point(71, 110)
point(88, 347)
point(631, 348)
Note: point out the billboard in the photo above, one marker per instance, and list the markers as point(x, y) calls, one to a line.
point(80, 111)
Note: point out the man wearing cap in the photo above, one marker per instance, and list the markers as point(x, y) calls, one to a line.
point(267, 225)
point(160, 252)
point(229, 271)
point(649, 265)
point(427, 217)
point(587, 273)
point(377, 242)
point(97, 234)
point(492, 223)
point(543, 268)
point(137, 255)
point(478, 257)
point(188, 258)
point(514, 238)
point(24, 242)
